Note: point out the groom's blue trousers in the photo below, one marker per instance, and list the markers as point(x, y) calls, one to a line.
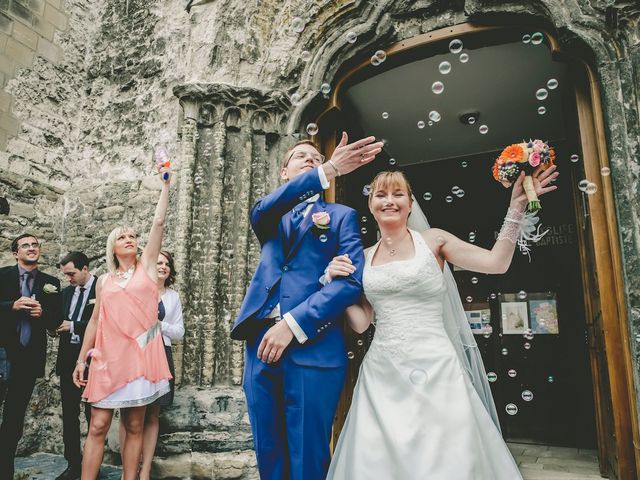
point(291, 409)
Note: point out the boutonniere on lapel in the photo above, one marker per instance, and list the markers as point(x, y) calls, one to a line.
point(321, 220)
point(48, 288)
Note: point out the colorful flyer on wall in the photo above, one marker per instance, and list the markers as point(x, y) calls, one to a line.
point(544, 316)
point(479, 317)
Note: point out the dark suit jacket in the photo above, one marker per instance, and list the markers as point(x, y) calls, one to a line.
point(34, 355)
point(68, 352)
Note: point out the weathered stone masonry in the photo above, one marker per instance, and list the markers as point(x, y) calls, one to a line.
point(214, 84)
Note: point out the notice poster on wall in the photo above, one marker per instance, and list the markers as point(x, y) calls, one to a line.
point(514, 317)
point(479, 317)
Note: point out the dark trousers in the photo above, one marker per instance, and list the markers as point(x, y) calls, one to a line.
point(16, 399)
point(71, 396)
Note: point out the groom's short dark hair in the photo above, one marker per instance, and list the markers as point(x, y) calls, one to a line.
point(287, 156)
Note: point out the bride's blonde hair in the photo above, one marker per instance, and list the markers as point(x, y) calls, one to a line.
point(385, 180)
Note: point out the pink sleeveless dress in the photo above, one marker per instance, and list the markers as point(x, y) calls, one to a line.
point(128, 365)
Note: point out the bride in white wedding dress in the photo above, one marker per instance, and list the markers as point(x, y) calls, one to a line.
point(419, 409)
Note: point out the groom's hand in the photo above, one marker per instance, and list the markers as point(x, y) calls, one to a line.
point(349, 156)
point(274, 342)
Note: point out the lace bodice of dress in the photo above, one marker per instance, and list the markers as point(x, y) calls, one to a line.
point(407, 297)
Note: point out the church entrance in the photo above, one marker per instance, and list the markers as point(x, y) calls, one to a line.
point(551, 330)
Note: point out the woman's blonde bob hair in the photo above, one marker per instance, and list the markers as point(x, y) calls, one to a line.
point(387, 180)
point(112, 261)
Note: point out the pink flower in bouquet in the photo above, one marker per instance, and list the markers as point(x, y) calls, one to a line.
point(321, 220)
point(534, 159)
point(538, 145)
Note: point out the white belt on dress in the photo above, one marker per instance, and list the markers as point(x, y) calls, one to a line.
point(146, 337)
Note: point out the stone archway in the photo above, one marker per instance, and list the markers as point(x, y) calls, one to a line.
point(233, 136)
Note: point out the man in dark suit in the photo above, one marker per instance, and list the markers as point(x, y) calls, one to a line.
point(78, 300)
point(30, 304)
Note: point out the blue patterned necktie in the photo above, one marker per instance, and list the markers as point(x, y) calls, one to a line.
point(162, 312)
point(297, 215)
point(24, 326)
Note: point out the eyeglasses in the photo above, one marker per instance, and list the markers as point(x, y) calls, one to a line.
point(300, 155)
point(26, 246)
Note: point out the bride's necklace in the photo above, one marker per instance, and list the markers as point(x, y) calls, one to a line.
point(392, 251)
point(125, 275)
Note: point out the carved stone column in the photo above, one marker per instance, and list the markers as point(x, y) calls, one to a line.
point(236, 159)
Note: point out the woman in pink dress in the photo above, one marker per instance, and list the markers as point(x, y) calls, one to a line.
point(128, 367)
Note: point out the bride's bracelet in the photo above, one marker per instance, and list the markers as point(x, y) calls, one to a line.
point(512, 225)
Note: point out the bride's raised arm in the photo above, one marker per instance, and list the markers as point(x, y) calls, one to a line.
point(450, 248)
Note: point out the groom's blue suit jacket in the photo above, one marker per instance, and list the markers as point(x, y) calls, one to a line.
point(294, 261)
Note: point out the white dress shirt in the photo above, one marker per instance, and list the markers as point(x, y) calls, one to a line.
point(74, 301)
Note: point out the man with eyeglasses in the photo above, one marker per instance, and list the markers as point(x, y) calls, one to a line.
point(30, 304)
point(296, 355)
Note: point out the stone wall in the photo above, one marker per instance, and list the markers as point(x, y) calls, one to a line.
point(215, 85)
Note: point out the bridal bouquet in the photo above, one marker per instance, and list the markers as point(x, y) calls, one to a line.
point(525, 157)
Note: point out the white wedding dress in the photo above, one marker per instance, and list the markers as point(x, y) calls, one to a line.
point(415, 414)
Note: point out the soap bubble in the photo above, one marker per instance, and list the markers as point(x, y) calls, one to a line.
point(552, 84)
point(537, 38)
point(297, 25)
point(437, 87)
point(582, 184)
point(325, 88)
point(366, 190)
point(444, 67)
point(363, 230)
point(418, 376)
point(492, 376)
point(350, 355)
point(305, 56)
point(322, 238)
point(505, 351)
point(605, 171)
point(591, 188)
point(474, 280)
point(483, 129)
point(385, 115)
point(512, 373)
point(542, 110)
point(469, 299)
point(295, 99)
point(448, 199)
point(574, 158)
point(464, 57)
point(542, 93)
point(392, 161)
point(375, 61)
point(434, 116)
point(421, 124)
point(527, 395)
point(511, 409)
point(455, 46)
point(526, 38)
point(312, 129)
point(380, 55)
point(352, 37)
point(463, 164)
point(427, 196)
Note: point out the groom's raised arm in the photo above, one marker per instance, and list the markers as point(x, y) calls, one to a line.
point(332, 300)
point(267, 212)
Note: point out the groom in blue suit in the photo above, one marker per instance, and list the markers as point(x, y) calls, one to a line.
point(295, 349)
